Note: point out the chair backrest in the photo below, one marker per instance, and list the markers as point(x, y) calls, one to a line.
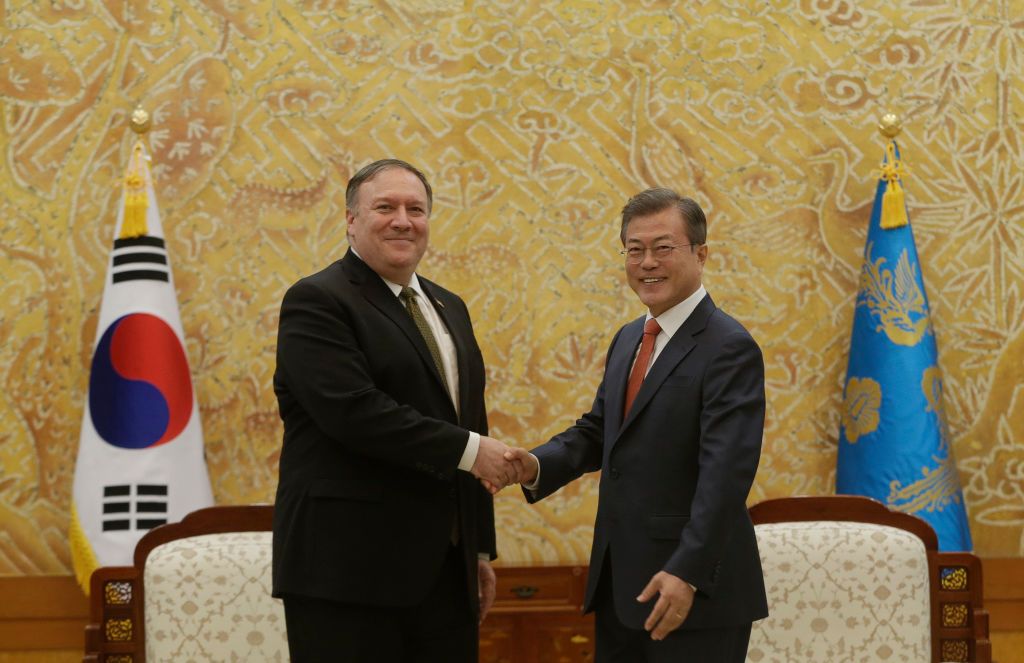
point(199, 590)
point(850, 580)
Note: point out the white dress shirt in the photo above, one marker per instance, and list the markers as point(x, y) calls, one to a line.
point(670, 321)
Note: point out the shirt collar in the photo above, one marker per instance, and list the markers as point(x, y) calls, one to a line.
point(671, 320)
point(414, 282)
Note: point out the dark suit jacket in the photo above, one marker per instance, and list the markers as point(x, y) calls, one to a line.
point(676, 473)
point(368, 483)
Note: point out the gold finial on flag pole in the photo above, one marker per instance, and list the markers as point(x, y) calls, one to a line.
point(890, 125)
point(894, 207)
point(135, 202)
point(139, 121)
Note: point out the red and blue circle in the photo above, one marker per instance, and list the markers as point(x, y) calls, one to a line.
point(140, 390)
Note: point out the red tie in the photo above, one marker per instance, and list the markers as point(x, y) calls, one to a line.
point(636, 377)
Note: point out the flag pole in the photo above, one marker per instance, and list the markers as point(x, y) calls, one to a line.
point(890, 126)
point(139, 121)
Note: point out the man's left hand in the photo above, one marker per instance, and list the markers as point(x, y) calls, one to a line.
point(673, 606)
point(487, 585)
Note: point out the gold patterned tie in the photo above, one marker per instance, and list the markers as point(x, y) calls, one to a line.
point(408, 296)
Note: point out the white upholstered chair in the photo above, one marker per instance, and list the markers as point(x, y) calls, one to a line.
point(850, 580)
point(199, 591)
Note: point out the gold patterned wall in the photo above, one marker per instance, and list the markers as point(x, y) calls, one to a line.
point(535, 121)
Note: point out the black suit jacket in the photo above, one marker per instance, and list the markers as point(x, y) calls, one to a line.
point(368, 482)
point(676, 473)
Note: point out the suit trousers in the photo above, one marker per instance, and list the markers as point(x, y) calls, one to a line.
point(617, 643)
point(440, 629)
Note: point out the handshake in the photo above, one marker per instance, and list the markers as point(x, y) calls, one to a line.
point(498, 465)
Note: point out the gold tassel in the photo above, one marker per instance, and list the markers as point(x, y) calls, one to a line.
point(135, 201)
point(894, 207)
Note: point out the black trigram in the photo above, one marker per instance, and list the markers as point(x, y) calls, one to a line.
point(149, 502)
point(140, 258)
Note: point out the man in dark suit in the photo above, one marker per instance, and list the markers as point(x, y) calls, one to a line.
point(383, 535)
point(676, 429)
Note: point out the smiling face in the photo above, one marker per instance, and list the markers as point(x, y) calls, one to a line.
point(389, 225)
point(661, 283)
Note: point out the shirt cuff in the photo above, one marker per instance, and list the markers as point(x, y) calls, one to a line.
point(469, 455)
point(533, 485)
point(483, 557)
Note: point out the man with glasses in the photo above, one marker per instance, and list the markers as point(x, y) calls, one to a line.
point(676, 430)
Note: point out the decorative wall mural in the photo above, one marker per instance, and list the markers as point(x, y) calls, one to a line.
point(535, 121)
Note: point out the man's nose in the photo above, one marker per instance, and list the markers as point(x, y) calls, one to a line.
point(401, 218)
point(649, 261)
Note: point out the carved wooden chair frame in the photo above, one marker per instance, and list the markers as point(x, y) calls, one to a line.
point(959, 621)
point(116, 629)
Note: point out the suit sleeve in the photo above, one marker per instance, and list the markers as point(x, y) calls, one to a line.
point(487, 542)
point(576, 451)
point(731, 429)
point(325, 372)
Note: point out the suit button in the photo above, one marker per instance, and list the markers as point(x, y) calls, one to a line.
point(614, 473)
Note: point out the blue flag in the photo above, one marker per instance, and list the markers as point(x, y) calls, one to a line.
point(894, 444)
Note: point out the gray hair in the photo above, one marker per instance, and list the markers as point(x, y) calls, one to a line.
point(368, 172)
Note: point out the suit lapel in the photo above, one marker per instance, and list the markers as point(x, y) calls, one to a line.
point(680, 345)
point(379, 295)
point(617, 375)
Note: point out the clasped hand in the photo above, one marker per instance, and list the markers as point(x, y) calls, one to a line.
point(498, 465)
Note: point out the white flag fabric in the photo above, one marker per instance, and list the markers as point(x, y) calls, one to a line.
point(140, 454)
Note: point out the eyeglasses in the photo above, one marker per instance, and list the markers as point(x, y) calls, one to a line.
point(635, 254)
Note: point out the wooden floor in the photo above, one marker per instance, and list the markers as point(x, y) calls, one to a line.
point(42, 617)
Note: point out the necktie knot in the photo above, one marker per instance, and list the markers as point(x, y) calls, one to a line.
point(652, 327)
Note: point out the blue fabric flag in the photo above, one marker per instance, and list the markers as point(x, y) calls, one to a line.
point(894, 444)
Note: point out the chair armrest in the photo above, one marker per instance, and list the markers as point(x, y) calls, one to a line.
point(115, 614)
point(959, 621)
